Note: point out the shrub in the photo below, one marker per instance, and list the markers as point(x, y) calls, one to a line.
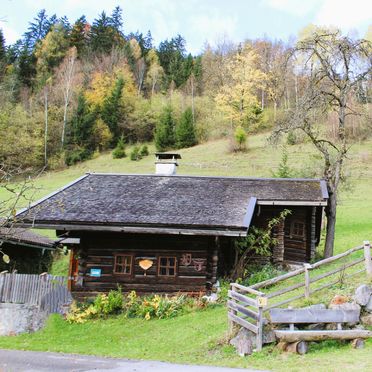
point(240, 137)
point(77, 155)
point(144, 151)
point(119, 151)
point(102, 306)
point(154, 306)
point(135, 154)
point(134, 306)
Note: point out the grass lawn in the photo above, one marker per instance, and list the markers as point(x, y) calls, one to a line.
point(200, 337)
point(196, 338)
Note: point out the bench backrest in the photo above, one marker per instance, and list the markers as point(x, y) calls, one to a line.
point(292, 316)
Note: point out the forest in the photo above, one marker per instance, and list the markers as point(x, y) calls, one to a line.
point(72, 90)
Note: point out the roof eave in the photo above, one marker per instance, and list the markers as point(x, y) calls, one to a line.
point(233, 232)
point(293, 203)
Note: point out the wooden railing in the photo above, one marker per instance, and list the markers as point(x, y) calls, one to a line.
point(48, 292)
point(247, 305)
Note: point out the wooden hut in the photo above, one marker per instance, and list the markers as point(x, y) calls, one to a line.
point(160, 233)
point(29, 252)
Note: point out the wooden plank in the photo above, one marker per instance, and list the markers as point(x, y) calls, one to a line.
point(294, 336)
point(367, 257)
point(285, 290)
point(234, 306)
point(242, 322)
point(242, 298)
point(247, 289)
point(337, 257)
point(313, 316)
point(329, 273)
point(278, 279)
point(284, 302)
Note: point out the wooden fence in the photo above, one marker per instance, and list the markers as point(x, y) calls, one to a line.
point(247, 305)
point(48, 292)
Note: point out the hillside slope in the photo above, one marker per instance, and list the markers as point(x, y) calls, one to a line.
point(260, 160)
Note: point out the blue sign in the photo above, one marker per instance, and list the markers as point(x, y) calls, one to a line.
point(95, 272)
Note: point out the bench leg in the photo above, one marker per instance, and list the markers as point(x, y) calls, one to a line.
point(299, 347)
point(357, 343)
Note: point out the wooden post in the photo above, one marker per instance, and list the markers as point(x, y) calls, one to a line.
point(234, 312)
point(367, 257)
point(307, 279)
point(261, 303)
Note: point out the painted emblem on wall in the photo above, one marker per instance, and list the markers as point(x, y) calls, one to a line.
point(198, 263)
point(145, 265)
point(186, 259)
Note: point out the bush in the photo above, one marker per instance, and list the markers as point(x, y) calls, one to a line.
point(77, 155)
point(240, 137)
point(119, 151)
point(144, 151)
point(135, 154)
point(134, 306)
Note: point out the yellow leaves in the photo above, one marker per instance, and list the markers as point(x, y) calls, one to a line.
point(238, 94)
point(147, 316)
point(100, 87)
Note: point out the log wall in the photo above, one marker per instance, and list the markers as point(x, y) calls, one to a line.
point(97, 251)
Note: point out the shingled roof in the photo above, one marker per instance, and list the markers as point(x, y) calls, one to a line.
point(25, 237)
point(144, 202)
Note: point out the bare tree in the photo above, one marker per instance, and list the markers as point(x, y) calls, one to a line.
point(66, 76)
point(13, 195)
point(334, 66)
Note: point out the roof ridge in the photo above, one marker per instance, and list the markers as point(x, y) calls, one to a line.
point(205, 176)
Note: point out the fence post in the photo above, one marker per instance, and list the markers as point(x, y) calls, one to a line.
point(367, 258)
point(234, 312)
point(261, 303)
point(307, 267)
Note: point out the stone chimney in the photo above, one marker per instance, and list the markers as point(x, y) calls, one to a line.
point(166, 163)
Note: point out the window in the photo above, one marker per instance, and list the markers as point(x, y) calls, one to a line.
point(297, 229)
point(167, 266)
point(123, 264)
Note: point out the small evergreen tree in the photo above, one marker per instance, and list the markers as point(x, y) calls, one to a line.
point(112, 109)
point(165, 130)
point(185, 131)
point(135, 154)
point(240, 138)
point(144, 151)
point(119, 151)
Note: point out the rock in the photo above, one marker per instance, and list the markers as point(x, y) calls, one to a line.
point(362, 294)
point(369, 305)
point(243, 342)
point(345, 306)
point(366, 319)
point(338, 300)
point(268, 336)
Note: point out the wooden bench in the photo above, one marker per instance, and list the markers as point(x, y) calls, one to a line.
point(296, 340)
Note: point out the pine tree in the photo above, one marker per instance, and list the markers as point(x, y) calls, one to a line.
point(78, 35)
point(112, 109)
point(185, 131)
point(82, 125)
point(165, 130)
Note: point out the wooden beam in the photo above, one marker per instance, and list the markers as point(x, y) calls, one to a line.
point(242, 298)
point(242, 322)
point(234, 306)
point(293, 336)
point(311, 315)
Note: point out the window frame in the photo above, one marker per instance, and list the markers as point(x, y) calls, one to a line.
point(131, 255)
point(293, 228)
point(175, 267)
